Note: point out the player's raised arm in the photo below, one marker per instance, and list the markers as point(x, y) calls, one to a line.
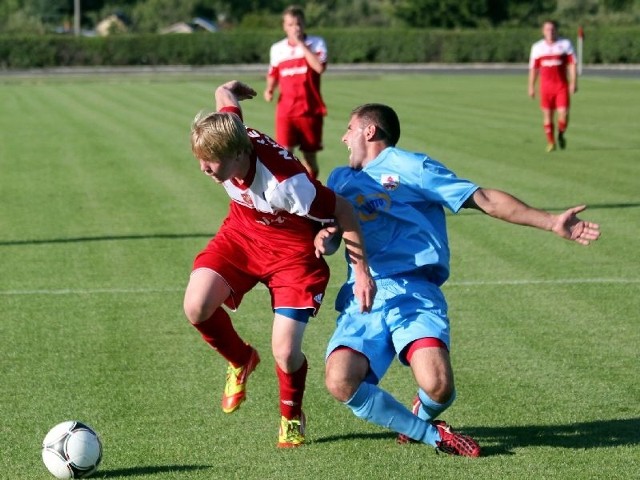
point(231, 93)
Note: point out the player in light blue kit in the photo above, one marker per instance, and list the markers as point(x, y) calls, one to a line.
point(400, 198)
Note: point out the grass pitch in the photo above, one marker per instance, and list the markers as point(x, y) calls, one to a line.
point(103, 209)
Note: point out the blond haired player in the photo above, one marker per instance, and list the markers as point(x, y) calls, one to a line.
point(276, 209)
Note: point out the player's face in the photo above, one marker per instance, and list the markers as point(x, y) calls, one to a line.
point(549, 32)
point(219, 170)
point(356, 142)
point(293, 27)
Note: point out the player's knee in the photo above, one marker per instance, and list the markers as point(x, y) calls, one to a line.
point(439, 389)
point(287, 357)
point(196, 312)
point(341, 385)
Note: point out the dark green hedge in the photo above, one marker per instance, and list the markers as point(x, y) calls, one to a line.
point(604, 45)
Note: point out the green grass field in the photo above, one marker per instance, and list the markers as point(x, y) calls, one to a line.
point(103, 209)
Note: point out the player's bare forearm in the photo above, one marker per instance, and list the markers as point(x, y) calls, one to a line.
point(533, 74)
point(365, 287)
point(270, 88)
point(505, 206)
point(573, 78)
point(312, 59)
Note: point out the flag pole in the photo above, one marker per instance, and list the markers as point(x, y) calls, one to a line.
point(580, 42)
point(76, 17)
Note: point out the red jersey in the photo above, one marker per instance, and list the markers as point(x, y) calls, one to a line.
point(551, 60)
point(278, 200)
point(299, 84)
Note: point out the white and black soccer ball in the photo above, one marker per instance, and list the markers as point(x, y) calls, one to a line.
point(71, 450)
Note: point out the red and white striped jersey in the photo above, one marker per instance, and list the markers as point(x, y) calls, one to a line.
point(278, 197)
point(551, 60)
point(299, 84)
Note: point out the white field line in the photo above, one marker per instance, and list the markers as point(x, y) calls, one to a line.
point(466, 283)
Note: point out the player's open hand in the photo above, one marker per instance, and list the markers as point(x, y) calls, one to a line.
point(569, 226)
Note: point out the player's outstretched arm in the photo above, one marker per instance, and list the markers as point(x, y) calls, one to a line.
point(231, 93)
point(506, 207)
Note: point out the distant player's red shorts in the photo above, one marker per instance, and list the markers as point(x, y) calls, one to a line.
point(292, 273)
point(305, 132)
point(554, 98)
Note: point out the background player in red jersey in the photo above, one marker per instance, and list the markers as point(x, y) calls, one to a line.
point(275, 212)
point(295, 66)
point(553, 58)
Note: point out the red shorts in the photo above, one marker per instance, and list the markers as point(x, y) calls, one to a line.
point(292, 273)
point(305, 132)
point(554, 99)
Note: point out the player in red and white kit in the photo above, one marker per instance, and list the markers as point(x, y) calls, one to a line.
point(295, 65)
point(553, 58)
point(276, 209)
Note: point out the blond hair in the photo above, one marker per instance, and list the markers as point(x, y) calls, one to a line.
point(219, 135)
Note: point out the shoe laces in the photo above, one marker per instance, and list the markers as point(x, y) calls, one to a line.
point(292, 429)
point(233, 373)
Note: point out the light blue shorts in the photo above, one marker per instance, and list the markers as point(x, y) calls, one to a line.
point(406, 308)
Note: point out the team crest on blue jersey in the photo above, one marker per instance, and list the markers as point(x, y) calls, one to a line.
point(390, 181)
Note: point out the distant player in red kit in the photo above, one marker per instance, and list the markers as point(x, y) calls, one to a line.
point(275, 212)
point(295, 65)
point(553, 58)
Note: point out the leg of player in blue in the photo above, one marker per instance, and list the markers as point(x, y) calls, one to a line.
point(347, 377)
point(429, 409)
point(377, 406)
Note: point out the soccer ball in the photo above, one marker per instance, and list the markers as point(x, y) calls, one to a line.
point(71, 450)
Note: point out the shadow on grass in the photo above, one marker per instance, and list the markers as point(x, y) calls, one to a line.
point(356, 436)
point(585, 435)
point(150, 470)
point(105, 238)
point(502, 440)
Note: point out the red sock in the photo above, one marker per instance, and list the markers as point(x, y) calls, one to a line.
point(562, 126)
point(218, 332)
point(548, 131)
point(292, 390)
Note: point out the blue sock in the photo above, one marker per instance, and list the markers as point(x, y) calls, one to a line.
point(430, 409)
point(373, 404)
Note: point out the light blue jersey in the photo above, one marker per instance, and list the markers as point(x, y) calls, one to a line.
point(399, 198)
